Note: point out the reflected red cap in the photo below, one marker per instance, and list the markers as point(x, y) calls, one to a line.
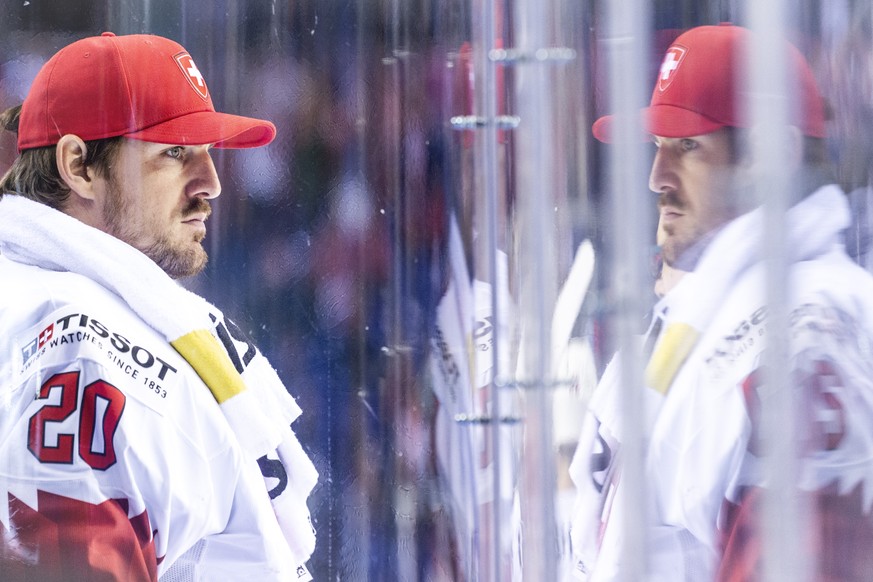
point(700, 87)
point(139, 86)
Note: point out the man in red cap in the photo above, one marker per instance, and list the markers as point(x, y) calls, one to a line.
point(705, 458)
point(141, 433)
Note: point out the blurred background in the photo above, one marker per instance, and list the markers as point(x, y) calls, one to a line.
point(400, 252)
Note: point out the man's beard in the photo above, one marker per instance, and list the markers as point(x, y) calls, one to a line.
point(685, 255)
point(177, 261)
point(672, 248)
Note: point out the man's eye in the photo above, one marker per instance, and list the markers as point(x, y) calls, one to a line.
point(176, 152)
point(687, 145)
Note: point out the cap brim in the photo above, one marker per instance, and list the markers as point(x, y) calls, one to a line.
point(660, 120)
point(210, 127)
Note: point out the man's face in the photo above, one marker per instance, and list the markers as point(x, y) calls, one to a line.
point(156, 201)
point(698, 191)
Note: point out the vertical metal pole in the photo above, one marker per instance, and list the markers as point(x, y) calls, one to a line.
point(486, 149)
point(769, 102)
point(627, 45)
point(401, 494)
point(536, 178)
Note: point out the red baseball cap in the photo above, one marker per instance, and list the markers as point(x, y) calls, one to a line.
point(138, 86)
point(700, 87)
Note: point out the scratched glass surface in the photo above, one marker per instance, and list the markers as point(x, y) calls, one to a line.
point(398, 250)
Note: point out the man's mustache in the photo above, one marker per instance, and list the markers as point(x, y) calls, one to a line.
point(670, 199)
point(197, 206)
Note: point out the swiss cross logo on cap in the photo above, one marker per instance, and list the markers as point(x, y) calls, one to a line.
point(671, 63)
point(192, 73)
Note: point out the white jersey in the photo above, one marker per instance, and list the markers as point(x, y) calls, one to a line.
point(115, 460)
point(703, 470)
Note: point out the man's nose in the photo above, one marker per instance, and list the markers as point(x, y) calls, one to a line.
point(663, 176)
point(206, 183)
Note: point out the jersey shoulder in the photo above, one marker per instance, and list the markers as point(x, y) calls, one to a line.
point(58, 322)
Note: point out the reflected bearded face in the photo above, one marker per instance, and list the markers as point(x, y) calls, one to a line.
point(696, 182)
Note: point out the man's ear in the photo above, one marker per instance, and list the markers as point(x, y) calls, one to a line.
point(70, 157)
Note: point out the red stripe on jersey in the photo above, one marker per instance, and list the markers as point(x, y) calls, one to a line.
point(68, 539)
point(838, 539)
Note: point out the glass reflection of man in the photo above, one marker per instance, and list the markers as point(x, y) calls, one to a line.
point(704, 456)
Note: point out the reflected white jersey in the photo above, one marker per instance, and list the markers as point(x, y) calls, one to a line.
point(704, 469)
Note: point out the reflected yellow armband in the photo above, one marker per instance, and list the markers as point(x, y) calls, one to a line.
point(669, 355)
point(211, 362)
